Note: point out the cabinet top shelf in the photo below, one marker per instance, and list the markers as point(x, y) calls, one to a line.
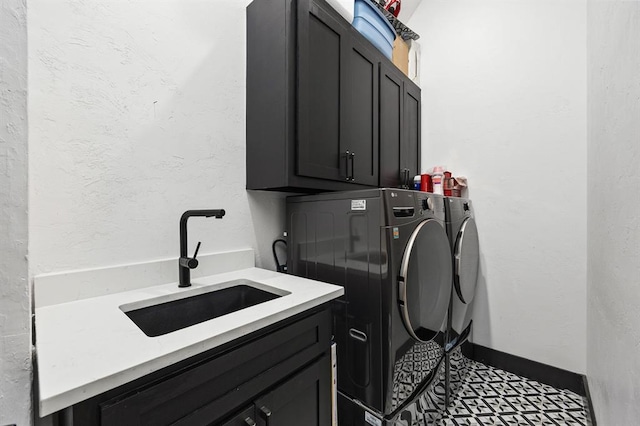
point(401, 29)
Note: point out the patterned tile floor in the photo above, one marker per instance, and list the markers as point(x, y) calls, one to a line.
point(488, 396)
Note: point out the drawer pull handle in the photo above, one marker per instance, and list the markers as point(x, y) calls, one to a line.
point(265, 413)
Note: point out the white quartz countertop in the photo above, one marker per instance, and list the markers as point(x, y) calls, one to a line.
point(87, 347)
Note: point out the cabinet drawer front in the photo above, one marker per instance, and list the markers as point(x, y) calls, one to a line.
point(304, 399)
point(208, 391)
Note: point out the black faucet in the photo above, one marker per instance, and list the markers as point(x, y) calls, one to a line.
point(185, 264)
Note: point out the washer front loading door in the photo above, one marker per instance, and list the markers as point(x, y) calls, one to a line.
point(466, 258)
point(425, 281)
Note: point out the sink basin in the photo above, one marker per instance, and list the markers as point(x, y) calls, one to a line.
point(165, 317)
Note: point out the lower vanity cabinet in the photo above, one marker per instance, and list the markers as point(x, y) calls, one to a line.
point(279, 376)
point(304, 399)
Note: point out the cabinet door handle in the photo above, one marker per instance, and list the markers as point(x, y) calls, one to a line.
point(352, 157)
point(249, 421)
point(265, 413)
point(347, 155)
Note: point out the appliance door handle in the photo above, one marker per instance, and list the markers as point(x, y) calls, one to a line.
point(347, 155)
point(358, 335)
point(352, 157)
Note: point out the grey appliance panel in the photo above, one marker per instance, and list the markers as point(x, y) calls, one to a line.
point(336, 238)
point(328, 241)
point(466, 258)
point(463, 237)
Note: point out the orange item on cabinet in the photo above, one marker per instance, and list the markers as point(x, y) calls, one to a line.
point(400, 55)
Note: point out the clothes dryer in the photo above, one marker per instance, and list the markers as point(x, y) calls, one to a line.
point(463, 240)
point(390, 251)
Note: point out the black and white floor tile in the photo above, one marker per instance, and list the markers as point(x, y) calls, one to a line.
point(484, 395)
point(412, 369)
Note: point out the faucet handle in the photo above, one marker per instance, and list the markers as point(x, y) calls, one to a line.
point(196, 252)
point(191, 262)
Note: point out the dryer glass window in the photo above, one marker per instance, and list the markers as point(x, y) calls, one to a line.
point(425, 281)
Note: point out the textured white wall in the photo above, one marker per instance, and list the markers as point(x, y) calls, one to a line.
point(15, 324)
point(137, 113)
point(504, 102)
point(613, 313)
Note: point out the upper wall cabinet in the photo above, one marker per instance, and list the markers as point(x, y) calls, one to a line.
point(399, 127)
point(337, 99)
point(315, 112)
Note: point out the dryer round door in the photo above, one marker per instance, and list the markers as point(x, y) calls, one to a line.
point(425, 281)
point(466, 257)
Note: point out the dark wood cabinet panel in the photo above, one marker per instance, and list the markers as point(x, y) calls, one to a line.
point(322, 110)
point(296, 97)
point(270, 77)
point(305, 399)
point(219, 387)
point(322, 52)
point(391, 126)
point(362, 113)
point(412, 119)
point(399, 128)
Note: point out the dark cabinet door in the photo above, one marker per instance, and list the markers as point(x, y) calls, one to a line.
point(325, 109)
point(391, 126)
point(411, 142)
point(245, 418)
point(305, 399)
point(362, 114)
point(322, 58)
point(399, 128)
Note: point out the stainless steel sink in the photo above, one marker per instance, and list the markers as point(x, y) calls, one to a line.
point(165, 317)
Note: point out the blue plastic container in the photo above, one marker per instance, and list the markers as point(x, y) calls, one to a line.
point(372, 24)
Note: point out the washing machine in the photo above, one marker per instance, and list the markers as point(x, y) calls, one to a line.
point(463, 239)
point(389, 249)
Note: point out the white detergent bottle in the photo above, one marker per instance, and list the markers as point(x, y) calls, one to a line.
point(436, 179)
